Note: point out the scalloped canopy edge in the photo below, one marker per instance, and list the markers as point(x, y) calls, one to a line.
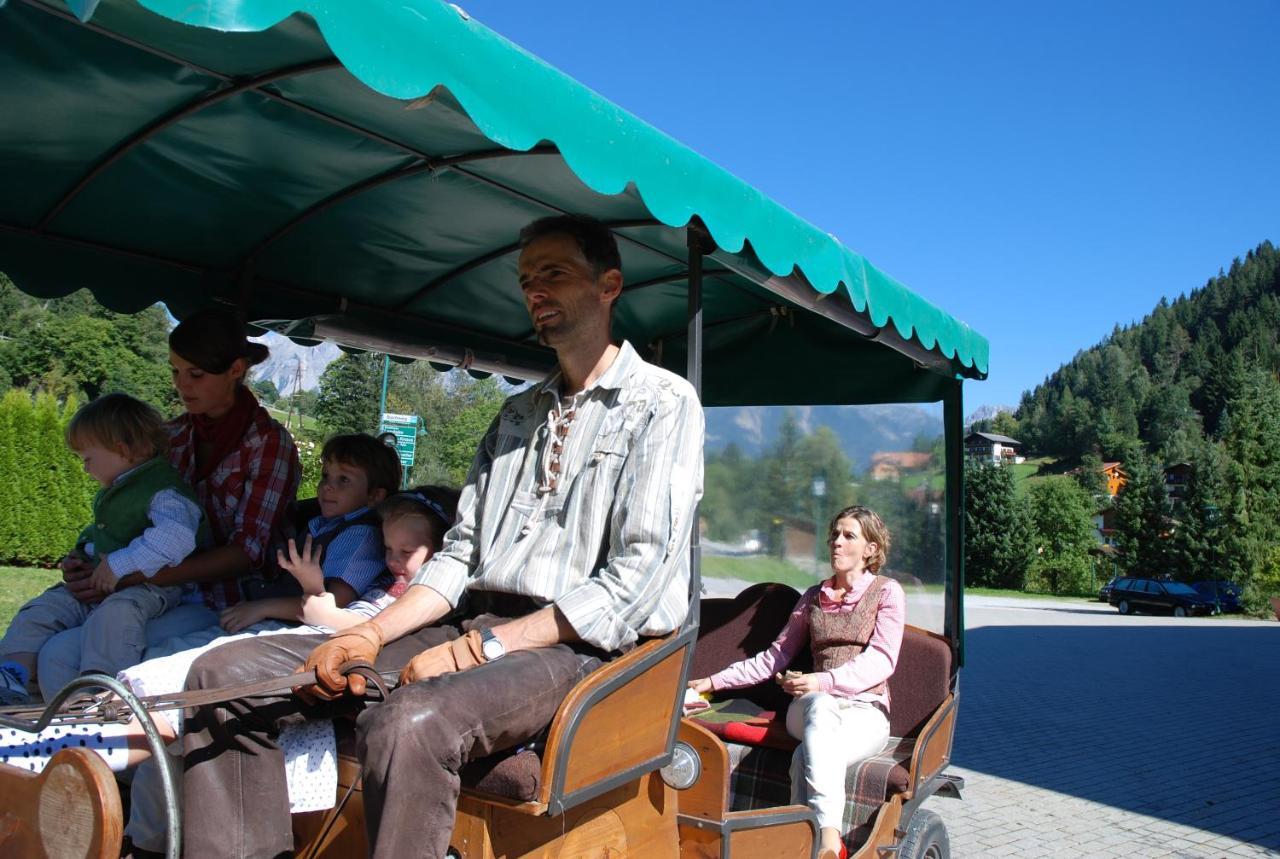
point(406, 48)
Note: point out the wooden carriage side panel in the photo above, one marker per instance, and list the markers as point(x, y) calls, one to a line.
point(70, 810)
point(932, 752)
point(708, 798)
point(772, 839)
point(884, 831)
point(637, 820)
point(626, 728)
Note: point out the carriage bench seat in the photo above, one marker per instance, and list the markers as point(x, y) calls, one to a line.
point(759, 748)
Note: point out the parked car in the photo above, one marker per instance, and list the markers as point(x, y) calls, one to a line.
point(1225, 595)
point(1131, 595)
point(1104, 592)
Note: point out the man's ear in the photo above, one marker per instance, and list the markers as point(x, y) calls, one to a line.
point(611, 285)
point(377, 496)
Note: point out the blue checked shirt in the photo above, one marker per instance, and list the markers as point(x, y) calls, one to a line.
point(172, 536)
point(609, 546)
point(356, 556)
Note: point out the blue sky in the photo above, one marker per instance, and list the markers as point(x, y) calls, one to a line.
point(1040, 170)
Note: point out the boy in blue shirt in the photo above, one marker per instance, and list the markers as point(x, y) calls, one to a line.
point(342, 552)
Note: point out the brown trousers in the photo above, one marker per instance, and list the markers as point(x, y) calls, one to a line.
point(411, 747)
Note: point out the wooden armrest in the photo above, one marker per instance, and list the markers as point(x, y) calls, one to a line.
point(932, 751)
point(618, 723)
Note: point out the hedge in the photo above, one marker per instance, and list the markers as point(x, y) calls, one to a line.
point(45, 496)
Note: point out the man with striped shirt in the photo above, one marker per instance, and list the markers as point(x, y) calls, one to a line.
point(572, 542)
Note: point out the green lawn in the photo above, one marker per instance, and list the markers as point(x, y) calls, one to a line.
point(1032, 469)
point(17, 585)
point(308, 423)
point(756, 569)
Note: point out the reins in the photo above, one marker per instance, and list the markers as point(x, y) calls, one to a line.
point(107, 707)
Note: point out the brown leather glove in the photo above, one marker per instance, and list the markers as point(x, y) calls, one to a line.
point(457, 655)
point(363, 641)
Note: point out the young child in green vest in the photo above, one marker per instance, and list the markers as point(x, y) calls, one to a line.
point(145, 517)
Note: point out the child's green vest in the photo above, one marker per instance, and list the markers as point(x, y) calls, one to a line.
point(120, 511)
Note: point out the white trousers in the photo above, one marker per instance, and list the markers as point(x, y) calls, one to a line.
point(834, 734)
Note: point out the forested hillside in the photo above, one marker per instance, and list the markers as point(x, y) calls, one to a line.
point(1166, 382)
point(1195, 382)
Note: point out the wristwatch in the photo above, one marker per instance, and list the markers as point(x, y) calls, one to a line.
point(491, 646)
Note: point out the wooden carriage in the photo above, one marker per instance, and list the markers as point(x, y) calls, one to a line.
point(277, 158)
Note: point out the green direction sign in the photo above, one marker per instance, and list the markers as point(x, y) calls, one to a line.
point(405, 429)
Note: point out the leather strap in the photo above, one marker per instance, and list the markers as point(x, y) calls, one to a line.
point(106, 707)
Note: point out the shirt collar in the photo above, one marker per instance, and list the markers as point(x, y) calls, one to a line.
point(828, 591)
point(122, 476)
point(613, 378)
point(320, 524)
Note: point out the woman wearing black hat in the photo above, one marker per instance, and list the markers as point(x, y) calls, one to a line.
point(242, 464)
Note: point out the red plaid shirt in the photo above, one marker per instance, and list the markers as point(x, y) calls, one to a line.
point(246, 497)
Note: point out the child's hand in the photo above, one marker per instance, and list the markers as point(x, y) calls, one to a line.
point(104, 579)
point(701, 686)
point(796, 684)
point(317, 609)
point(303, 566)
point(242, 615)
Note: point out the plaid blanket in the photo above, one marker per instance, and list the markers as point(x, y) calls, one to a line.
point(760, 775)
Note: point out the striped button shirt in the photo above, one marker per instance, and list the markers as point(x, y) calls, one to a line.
point(609, 545)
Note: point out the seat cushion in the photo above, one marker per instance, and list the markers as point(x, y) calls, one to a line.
point(509, 775)
point(514, 775)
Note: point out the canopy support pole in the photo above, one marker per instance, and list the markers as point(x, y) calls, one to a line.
point(953, 445)
point(696, 240)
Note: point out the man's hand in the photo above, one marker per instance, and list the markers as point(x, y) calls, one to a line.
point(77, 574)
point(457, 655)
point(103, 578)
point(701, 686)
point(796, 684)
point(303, 566)
point(363, 641)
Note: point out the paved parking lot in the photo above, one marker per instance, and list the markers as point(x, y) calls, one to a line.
point(1084, 733)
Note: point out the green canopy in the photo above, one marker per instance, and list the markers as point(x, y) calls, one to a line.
point(358, 171)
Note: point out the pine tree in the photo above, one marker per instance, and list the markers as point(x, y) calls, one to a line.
point(997, 540)
point(1143, 519)
point(350, 389)
point(1252, 441)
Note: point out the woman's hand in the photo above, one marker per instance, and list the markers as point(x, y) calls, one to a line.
point(701, 685)
point(242, 615)
point(303, 566)
point(796, 685)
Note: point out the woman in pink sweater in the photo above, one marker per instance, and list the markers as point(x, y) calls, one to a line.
point(853, 624)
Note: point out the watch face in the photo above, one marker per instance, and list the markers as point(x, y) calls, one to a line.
point(492, 648)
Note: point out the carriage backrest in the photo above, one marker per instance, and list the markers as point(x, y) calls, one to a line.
point(734, 629)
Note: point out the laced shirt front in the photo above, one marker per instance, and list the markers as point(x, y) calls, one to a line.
point(584, 503)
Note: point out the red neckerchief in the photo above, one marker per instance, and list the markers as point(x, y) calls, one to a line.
point(223, 434)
